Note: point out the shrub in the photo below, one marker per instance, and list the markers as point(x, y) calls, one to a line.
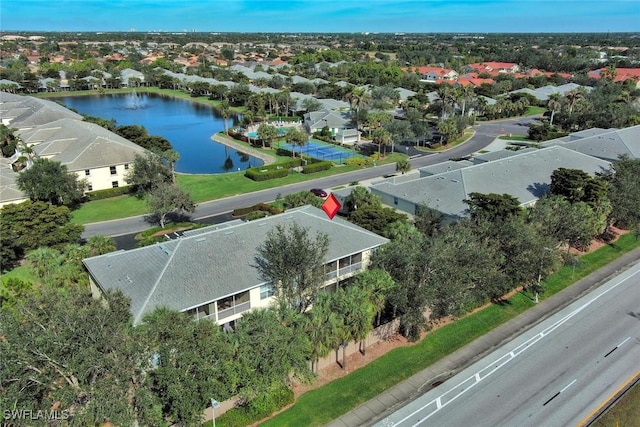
point(358, 161)
point(257, 409)
point(108, 193)
point(255, 208)
point(265, 174)
point(317, 167)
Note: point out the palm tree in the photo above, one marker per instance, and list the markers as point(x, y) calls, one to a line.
point(573, 96)
point(323, 328)
point(554, 105)
point(381, 137)
point(465, 93)
point(100, 245)
point(403, 166)
point(446, 99)
point(359, 98)
point(225, 111)
point(297, 138)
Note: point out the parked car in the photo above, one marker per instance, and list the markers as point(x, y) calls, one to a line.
point(319, 192)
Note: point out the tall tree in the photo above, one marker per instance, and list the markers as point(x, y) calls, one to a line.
point(267, 134)
point(492, 206)
point(147, 173)
point(292, 261)
point(554, 105)
point(171, 156)
point(624, 183)
point(382, 137)
point(72, 352)
point(30, 225)
point(167, 199)
point(403, 165)
point(50, 181)
point(225, 111)
point(297, 138)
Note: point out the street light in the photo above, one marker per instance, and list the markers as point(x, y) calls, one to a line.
point(214, 404)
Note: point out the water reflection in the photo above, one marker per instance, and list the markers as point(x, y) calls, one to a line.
point(187, 125)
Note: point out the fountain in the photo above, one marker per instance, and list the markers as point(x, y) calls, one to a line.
point(135, 101)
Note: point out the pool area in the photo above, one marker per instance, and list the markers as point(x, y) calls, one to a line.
point(281, 132)
point(322, 151)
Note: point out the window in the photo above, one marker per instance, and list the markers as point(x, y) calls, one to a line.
point(395, 200)
point(89, 187)
point(87, 172)
point(266, 291)
point(112, 169)
point(126, 166)
point(114, 184)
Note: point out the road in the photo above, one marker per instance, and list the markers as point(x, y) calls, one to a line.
point(485, 133)
point(555, 374)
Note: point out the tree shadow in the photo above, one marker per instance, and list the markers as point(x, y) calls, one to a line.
point(539, 189)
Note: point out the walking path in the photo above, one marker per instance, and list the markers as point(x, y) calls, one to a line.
point(380, 406)
point(229, 142)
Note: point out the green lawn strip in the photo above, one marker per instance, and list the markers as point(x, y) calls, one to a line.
point(326, 403)
point(319, 406)
point(626, 411)
point(109, 209)
point(465, 136)
point(522, 138)
point(534, 111)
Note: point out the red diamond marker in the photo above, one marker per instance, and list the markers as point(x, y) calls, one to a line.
point(331, 206)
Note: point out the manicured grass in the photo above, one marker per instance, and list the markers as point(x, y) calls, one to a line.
point(516, 138)
point(534, 111)
point(108, 209)
point(326, 403)
point(626, 411)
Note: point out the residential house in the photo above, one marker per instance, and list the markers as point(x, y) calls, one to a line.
point(314, 121)
point(92, 152)
point(210, 273)
point(525, 175)
point(433, 74)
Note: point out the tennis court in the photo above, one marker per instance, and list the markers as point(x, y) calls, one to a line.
point(322, 151)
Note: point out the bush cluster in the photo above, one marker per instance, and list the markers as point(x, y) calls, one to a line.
point(108, 193)
point(280, 170)
point(263, 207)
point(257, 409)
point(317, 167)
point(358, 161)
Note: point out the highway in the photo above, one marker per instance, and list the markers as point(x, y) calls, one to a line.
point(555, 374)
point(485, 133)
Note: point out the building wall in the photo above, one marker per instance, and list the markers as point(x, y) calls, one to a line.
point(102, 178)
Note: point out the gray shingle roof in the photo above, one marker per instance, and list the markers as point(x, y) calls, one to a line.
point(80, 145)
point(214, 263)
point(606, 145)
point(26, 111)
point(525, 176)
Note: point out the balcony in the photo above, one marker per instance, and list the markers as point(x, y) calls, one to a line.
point(236, 309)
point(343, 271)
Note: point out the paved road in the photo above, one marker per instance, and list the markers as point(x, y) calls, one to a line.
point(485, 134)
point(555, 374)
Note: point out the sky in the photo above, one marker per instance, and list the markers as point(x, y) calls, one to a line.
point(345, 16)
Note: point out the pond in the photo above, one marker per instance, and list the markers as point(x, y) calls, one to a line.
point(187, 125)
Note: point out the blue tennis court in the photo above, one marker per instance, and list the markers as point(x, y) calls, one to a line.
point(322, 151)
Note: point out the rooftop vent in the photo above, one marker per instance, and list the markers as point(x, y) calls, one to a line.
point(201, 239)
point(229, 232)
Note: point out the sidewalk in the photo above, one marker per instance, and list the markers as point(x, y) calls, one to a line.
point(377, 408)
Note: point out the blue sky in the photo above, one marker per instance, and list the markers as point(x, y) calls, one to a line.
point(322, 15)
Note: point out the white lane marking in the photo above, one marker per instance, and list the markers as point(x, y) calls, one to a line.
point(568, 385)
point(620, 345)
point(510, 356)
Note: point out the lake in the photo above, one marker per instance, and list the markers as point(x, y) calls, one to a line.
point(187, 125)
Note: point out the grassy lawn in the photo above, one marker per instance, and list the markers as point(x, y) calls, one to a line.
point(626, 412)
point(203, 188)
point(468, 133)
point(326, 403)
point(534, 111)
point(523, 138)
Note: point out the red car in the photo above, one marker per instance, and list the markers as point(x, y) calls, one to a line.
point(319, 192)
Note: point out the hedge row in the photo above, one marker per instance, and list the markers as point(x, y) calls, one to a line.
point(280, 170)
point(317, 167)
point(263, 207)
point(108, 193)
